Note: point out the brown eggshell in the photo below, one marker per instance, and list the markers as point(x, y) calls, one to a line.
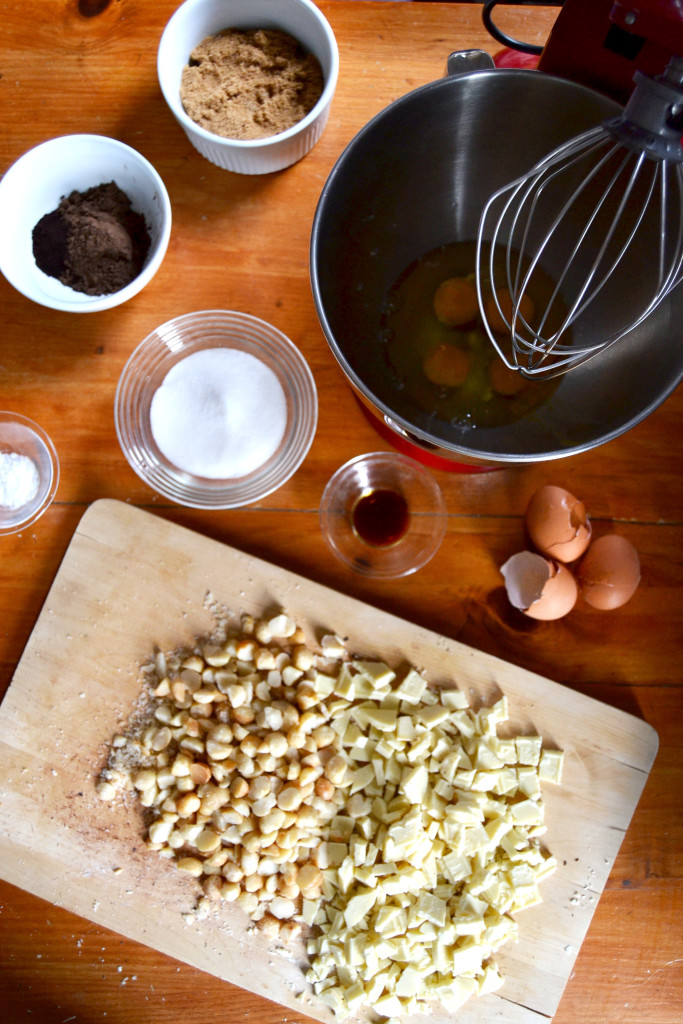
point(558, 524)
point(539, 587)
point(609, 572)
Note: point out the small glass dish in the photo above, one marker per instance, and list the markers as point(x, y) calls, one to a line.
point(164, 349)
point(22, 437)
point(383, 515)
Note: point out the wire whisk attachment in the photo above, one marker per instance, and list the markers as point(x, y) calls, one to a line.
point(577, 252)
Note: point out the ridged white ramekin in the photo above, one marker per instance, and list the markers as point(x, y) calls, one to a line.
point(194, 21)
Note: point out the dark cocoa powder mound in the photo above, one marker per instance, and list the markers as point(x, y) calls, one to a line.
point(51, 235)
point(94, 241)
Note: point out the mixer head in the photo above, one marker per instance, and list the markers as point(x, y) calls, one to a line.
point(576, 253)
point(602, 43)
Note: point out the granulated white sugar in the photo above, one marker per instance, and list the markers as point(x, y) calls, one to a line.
point(219, 413)
point(19, 480)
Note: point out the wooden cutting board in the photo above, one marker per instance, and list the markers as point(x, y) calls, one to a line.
point(130, 583)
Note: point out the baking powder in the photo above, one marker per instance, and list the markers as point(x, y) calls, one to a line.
point(19, 480)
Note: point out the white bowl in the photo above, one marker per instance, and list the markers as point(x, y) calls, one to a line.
point(35, 184)
point(194, 21)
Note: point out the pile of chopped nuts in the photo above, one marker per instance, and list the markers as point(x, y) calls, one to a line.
point(384, 822)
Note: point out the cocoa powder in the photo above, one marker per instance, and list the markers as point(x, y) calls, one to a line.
point(250, 83)
point(94, 242)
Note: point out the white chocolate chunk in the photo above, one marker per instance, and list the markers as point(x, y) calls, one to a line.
point(359, 906)
point(550, 766)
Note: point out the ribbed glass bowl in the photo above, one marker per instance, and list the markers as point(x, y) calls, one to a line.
point(146, 370)
point(24, 437)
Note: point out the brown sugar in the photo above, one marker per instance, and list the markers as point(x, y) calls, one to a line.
point(250, 83)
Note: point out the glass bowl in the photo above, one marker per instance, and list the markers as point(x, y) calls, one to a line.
point(22, 437)
point(383, 515)
point(168, 346)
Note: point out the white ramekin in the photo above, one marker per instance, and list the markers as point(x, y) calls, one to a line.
point(194, 21)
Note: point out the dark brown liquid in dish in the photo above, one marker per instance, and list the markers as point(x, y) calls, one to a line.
point(381, 517)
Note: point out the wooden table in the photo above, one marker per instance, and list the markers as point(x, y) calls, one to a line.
point(242, 243)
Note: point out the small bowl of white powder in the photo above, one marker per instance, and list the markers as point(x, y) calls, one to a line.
point(29, 472)
point(216, 409)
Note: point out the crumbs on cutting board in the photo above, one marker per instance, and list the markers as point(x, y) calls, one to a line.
point(378, 827)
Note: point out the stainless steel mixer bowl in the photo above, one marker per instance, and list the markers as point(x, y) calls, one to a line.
point(416, 177)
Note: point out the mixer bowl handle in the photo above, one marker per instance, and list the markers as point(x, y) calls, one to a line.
point(463, 61)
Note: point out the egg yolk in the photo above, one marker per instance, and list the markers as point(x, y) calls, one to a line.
point(505, 381)
point(496, 321)
point(447, 366)
point(455, 302)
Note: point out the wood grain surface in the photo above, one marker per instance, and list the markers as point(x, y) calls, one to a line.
point(242, 243)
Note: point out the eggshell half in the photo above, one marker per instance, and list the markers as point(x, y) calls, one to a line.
point(609, 572)
point(558, 524)
point(539, 587)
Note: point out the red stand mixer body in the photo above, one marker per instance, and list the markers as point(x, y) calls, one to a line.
point(602, 43)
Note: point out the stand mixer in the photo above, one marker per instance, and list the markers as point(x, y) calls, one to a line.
point(414, 181)
point(602, 213)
